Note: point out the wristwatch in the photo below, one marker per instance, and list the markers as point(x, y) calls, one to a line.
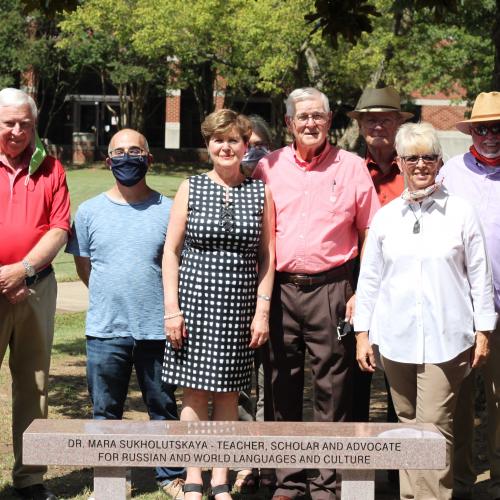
point(29, 269)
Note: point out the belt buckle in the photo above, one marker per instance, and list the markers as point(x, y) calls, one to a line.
point(302, 280)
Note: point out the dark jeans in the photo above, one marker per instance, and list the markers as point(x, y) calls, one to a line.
point(109, 366)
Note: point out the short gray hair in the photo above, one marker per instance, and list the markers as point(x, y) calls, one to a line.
point(417, 136)
point(303, 94)
point(16, 98)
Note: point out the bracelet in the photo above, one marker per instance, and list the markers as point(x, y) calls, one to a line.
point(173, 315)
point(264, 297)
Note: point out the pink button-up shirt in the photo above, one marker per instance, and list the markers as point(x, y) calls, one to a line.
point(319, 211)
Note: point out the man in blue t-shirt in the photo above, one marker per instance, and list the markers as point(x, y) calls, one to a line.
point(117, 242)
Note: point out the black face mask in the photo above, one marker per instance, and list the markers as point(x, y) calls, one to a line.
point(129, 170)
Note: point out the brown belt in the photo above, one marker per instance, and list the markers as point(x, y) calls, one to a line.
point(330, 276)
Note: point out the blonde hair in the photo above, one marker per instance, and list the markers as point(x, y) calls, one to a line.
point(413, 137)
point(224, 120)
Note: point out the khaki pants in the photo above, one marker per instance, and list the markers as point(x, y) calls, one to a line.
point(464, 471)
point(28, 328)
point(427, 393)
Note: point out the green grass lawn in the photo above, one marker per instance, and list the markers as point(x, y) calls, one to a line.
point(88, 182)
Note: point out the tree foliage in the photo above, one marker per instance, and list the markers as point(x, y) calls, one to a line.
point(98, 35)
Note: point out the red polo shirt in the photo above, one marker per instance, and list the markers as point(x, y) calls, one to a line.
point(389, 185)
point(29, 210)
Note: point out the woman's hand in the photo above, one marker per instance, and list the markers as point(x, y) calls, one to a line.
point(175, 331)
point(364, 353)
point(350, 309)
point(480, 350)
point(259, 330)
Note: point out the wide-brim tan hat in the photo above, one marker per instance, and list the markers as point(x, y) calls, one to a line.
point(379, 101)
point(486, 109)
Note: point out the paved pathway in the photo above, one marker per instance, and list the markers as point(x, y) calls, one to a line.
point(72, 296)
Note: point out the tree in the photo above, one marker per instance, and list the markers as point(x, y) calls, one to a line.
point(98, 35)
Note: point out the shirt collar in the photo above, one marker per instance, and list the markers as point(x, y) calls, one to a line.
point(372, 164)
point(437, 200)
point(309, 165)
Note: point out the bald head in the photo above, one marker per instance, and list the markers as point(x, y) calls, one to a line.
point(127, 138)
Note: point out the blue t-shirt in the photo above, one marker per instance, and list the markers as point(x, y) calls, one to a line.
point(125, 245)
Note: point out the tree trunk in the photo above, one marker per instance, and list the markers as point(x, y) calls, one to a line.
point(204, 90)
point(495, 84)
point(138, 94)
point(124, 106)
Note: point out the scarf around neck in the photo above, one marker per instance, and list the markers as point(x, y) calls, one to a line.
point(490, 162)
point(420, 194)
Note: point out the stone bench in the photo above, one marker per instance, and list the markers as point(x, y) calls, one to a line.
point(111, 447)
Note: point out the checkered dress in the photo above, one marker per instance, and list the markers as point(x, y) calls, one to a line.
point(217, 286)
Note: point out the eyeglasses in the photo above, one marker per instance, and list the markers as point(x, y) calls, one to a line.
point(319, 118)
point(414, 159)
point(131, 151)
point(483, 130)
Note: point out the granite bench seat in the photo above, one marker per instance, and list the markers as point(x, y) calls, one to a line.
point(111, 447)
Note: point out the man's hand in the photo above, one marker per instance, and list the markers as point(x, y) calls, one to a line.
point(364, 353)
point(12, 277)
point(480, 350)
point(18, 295)
point(349, 309)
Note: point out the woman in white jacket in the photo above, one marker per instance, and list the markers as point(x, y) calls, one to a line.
point(424, 298)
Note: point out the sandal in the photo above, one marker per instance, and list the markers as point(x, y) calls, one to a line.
point(217, 490)
point(193, 488)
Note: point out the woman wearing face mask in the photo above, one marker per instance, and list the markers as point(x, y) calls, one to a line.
point(425, 295)
point(216, 303)
point(259, 146)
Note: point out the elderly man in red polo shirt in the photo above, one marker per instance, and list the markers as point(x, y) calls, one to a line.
point(379, 116)
point(325, 200)
point(34, 223)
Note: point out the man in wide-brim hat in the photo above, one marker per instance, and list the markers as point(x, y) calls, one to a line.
point(379, 116)
point(475, 176)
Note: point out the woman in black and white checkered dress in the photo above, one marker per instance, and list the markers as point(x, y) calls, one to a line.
point(218, 269)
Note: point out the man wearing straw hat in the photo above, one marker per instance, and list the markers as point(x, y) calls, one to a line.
point(379, 116)
point(378, 113)
point(475, 176)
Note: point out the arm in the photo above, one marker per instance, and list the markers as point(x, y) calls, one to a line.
point(83, 268)
point(12, 276)
point(350, 307)
point(259, 328)
point(368, 287)
point(481, 284)
point(175, 329)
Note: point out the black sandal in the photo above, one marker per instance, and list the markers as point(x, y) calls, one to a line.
point(217, 490)
point(193, 488)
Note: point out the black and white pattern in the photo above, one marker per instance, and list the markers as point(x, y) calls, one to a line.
point(217, 286)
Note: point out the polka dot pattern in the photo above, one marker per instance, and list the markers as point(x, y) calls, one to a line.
point(217, 286)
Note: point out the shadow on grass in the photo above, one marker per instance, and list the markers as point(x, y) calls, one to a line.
point(69, 397)
point(73, 484)
point(75, 347)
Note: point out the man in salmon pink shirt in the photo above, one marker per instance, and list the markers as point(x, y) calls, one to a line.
point(325, 200)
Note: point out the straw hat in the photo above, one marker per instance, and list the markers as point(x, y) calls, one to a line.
point(486, 109)
point(378, 101)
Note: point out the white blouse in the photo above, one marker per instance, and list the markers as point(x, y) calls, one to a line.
point(425, 283)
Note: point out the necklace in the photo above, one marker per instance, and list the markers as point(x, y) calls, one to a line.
point(226, 220)
point(416, 226)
